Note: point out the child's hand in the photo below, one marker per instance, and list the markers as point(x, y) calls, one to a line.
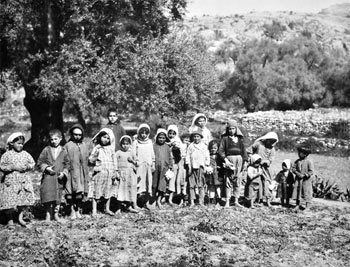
point(153, 167)
point(49, 170)
point(189, 172)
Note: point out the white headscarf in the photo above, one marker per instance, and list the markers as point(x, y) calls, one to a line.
point(254, 158)
point(110, 134)
point(163, 131)
point(143, 125)
point(12, 137)
point(269, 135)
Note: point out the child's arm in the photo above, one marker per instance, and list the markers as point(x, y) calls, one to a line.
point(42, 163)
point(188, 160)
point(153, 167)
point(171, 160)
point(30, 164)
point(295, 170)
point(310, 170)
point(221, 150)
point(6, 164)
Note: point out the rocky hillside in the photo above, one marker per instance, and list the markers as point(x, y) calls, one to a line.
point(331, 27)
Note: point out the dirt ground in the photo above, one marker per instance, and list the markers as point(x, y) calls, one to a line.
point(187, 237)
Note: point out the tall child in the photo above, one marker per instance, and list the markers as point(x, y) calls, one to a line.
point(178, 150)
point(252, 186)
point(126, 159)
point(214, 174)
point(200, 121)
point(78, 178)
point(265, 147)
point(303, 169)
point(16, 192)
point(285, 180)
point(197, 159)
point(105, 170)
point(233, 151)
point(143, 149)
point(114, 125)
point(54, 164)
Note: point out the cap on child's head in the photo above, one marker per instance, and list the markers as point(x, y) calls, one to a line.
point(287, 163)
point(255, 158)
point(125, 138)
point(197, 131)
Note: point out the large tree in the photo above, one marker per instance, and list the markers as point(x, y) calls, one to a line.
point(99, 52)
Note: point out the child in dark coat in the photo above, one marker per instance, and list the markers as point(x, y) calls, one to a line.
point(285, 180)
point(114, 125)
point(303, 169)
point(214, 173)
point(53, 162)
point(164, 163)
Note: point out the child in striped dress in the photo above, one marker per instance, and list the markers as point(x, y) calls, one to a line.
point(105, 170)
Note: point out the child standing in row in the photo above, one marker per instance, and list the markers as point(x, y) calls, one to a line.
point(214, 173)
point(145, 157)
point(163, 163)
point(126, 159)
point(114, 125)
point(285, 180)
point(197, 159)
point(252, 186)
point(54, 164)
point(105, 170)
point(178, 150)
point(78, 178)
point(303, 169)
point(233, 151)
point(16, 192)
point(265, 148)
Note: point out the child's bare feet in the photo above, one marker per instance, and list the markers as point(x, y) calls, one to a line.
point(132, 210)
point(20, 219)
point(73, 215)
point(10, 225)
point(78, 214)
point(58, 219)
point(47, 217)
point(109, 212)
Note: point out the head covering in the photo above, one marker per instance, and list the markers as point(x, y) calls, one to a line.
point(174, 128)
point(197, 130)
point(233, 123)
point(76, 126)
point(161, 131)
point(125, 136)
point(305, 148)
point(254, 158)
point(288, 163)
point(269, 135)
point(143, 125)
point(12, 137)
point(110, 134)
point(196, 117)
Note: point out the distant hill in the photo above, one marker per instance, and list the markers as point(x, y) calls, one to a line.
point(342, 10)
point(330, 27)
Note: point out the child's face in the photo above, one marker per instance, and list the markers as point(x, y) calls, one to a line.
point(213, 149)
point(125, 145)
point(171, 134)
point(161, 139)
point(201, 122)
point(55, 140)
point(197, 138)
point(186, 140)
point(269, 142)
point(18, 145)
point(256, 164)
point(77, 134)
point(105, 140)
point(232, 131)
point(112, 117)
point(143, 135)
point(302, 154)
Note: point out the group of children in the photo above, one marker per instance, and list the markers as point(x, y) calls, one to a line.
point(143, 172)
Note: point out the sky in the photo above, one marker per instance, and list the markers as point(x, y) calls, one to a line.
point(230, 7)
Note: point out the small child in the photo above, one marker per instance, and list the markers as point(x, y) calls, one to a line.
point(186, 140)
point(143, 149)
point(53, 162)
point(178, 150)
point(16, 192)
point(164, 162)
point(127, 164)
point(285, 180)
point(114, 125)
point(254, 172)
point(232, 150)
point(214, 173)
point(197, 159)
point(78, 178)
point(265, 147)
point(200, 121)
point(303, 169)
point(105, 170)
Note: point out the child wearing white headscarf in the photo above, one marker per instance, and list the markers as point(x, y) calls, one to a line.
point(200, 120)
point(105, 170)
point(285, 180)
point(16, 191)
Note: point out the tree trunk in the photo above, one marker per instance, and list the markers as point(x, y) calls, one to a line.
point(45, 115)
